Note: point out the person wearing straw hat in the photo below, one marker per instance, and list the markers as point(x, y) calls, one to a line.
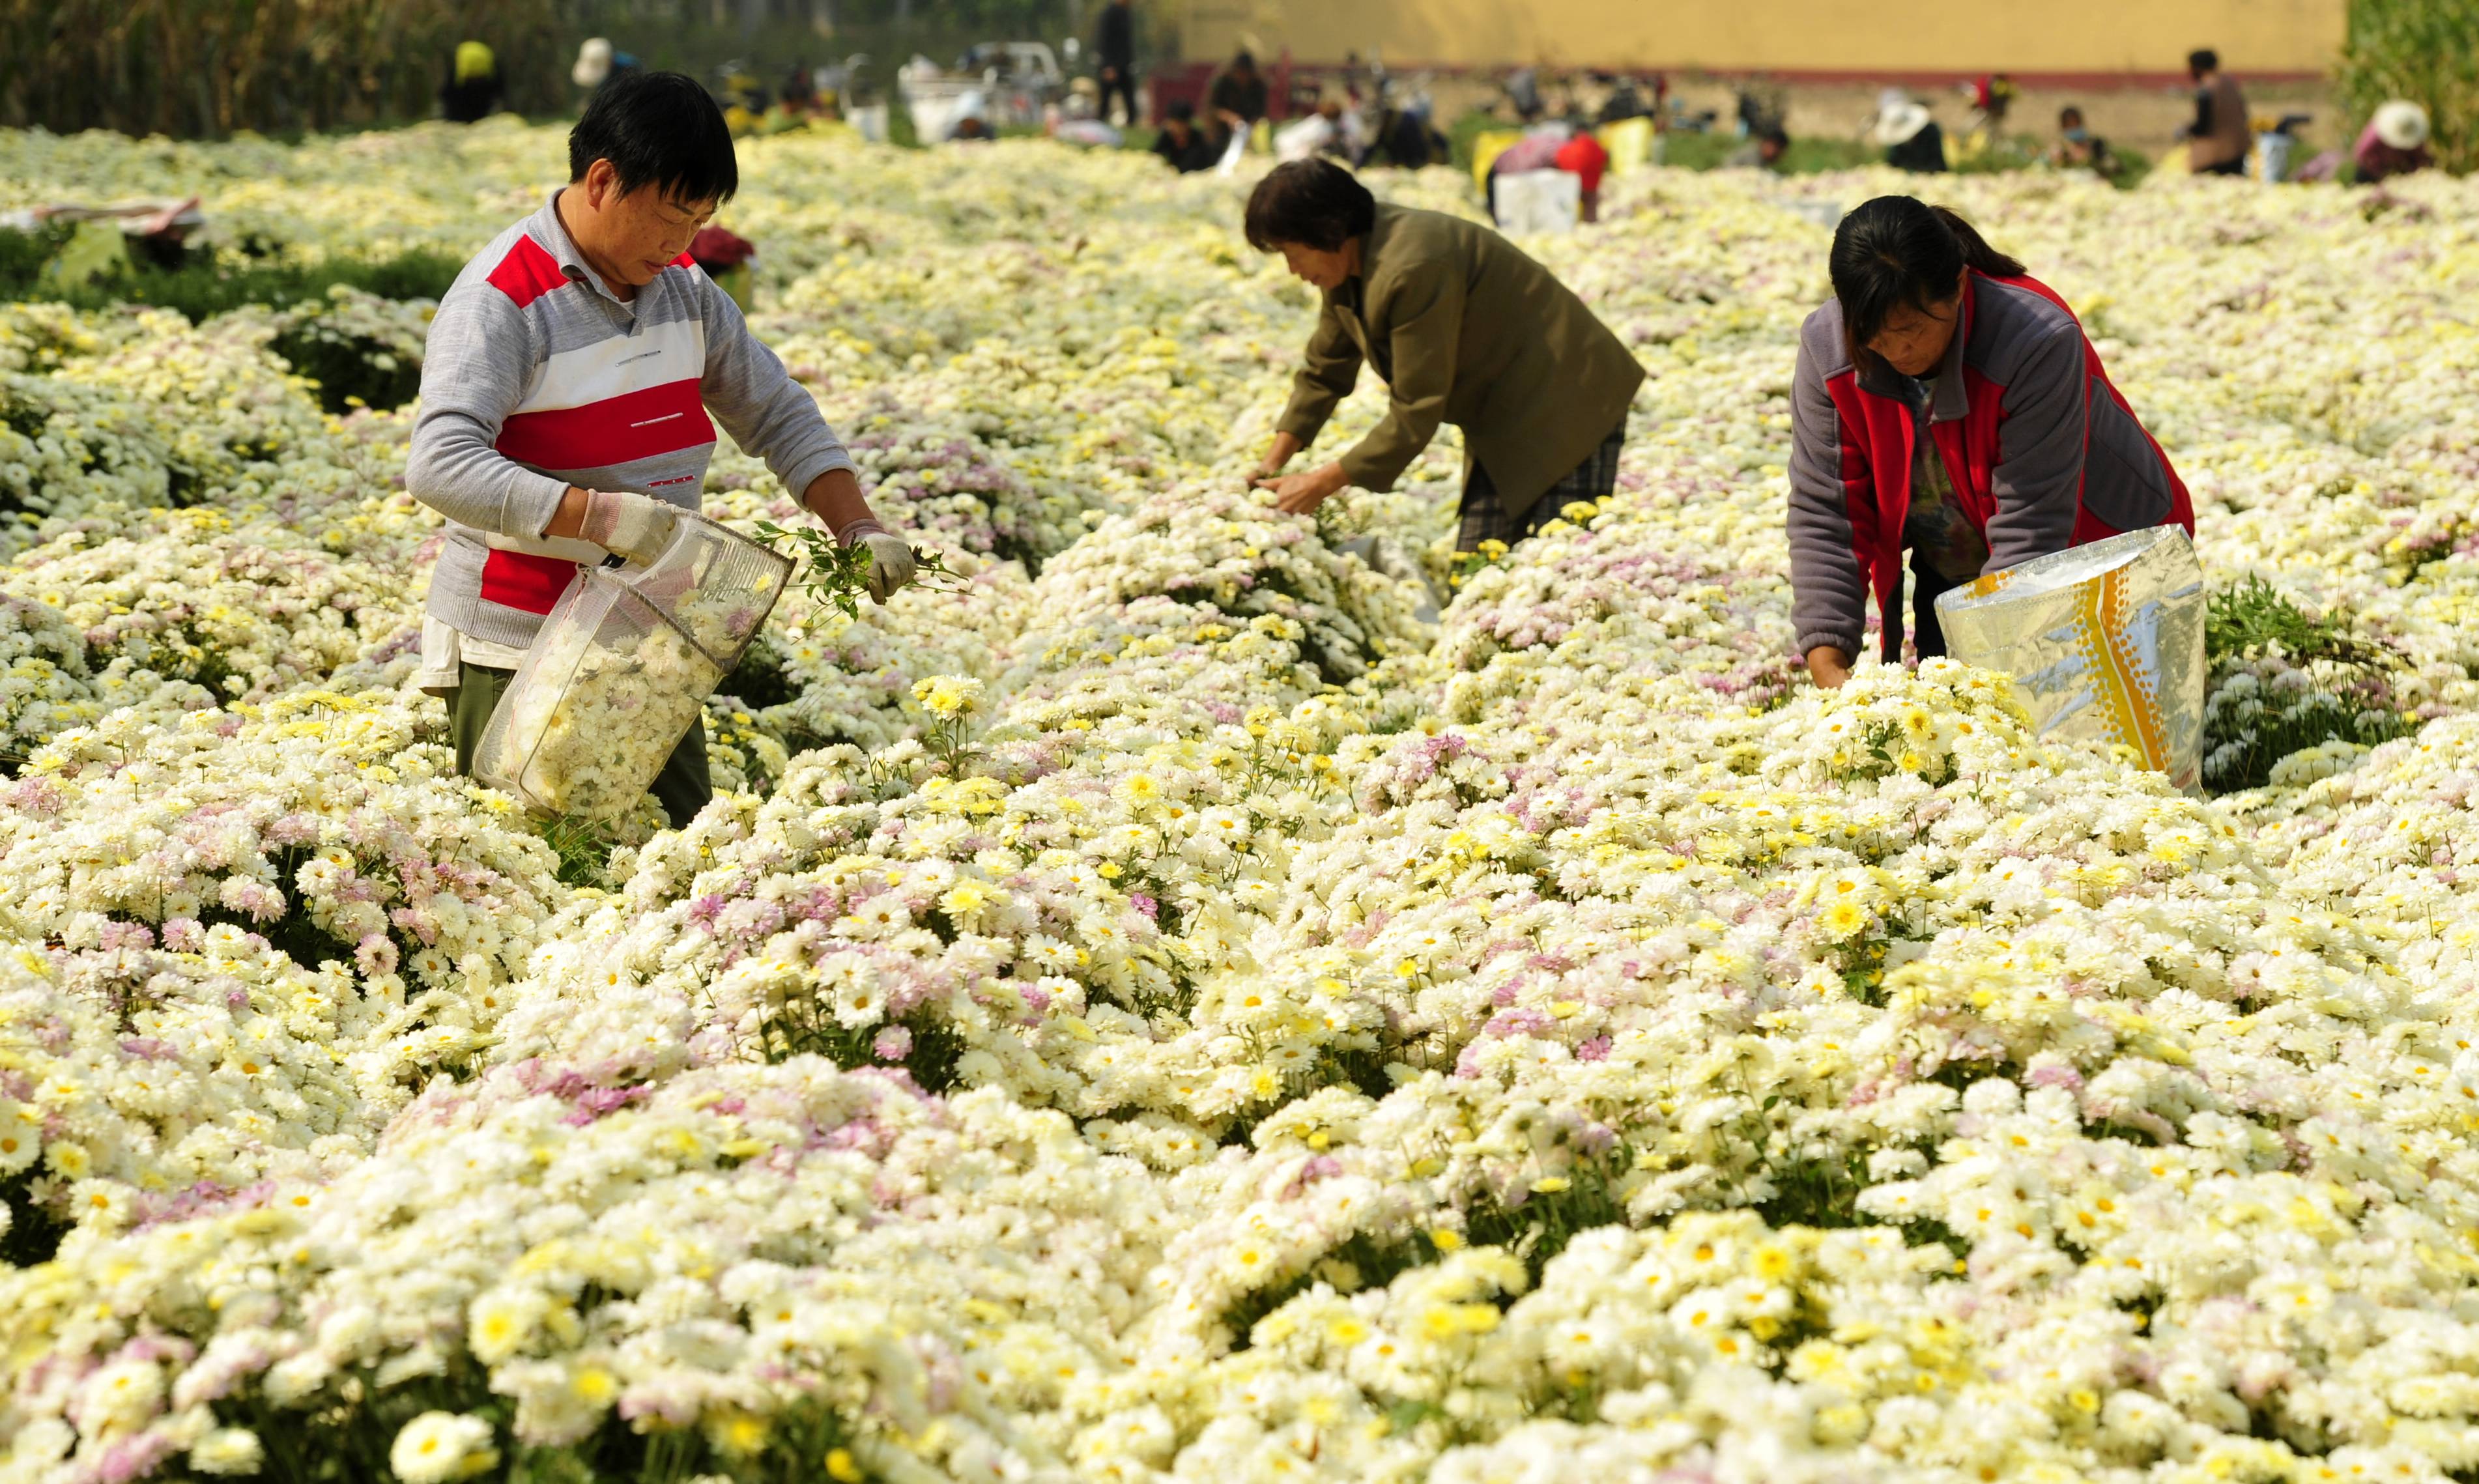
point(1947, 404)
point(2395, 143)
point(570, 390)
point(1910, 135)
point(598, 64)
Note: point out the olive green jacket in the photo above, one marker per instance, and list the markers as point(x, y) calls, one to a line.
point(1465, 329)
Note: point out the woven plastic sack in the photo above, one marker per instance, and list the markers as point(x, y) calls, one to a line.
point(1630, 142)
point(620, 671)
point(1486, 146)
point(2106, 640)
point(1539, 203)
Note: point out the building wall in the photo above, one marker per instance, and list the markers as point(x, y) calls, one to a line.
point(1820, 38)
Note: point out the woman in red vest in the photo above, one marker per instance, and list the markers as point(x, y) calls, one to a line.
point(1949, 405)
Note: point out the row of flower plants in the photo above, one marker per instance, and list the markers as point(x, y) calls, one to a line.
point(1159, 1008)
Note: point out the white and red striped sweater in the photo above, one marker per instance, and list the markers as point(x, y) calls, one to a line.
point(537, 377)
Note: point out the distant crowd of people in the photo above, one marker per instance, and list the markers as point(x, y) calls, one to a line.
point(1363, 117)
point(2222, 137)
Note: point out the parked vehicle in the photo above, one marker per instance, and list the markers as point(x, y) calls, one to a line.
point(998, 82)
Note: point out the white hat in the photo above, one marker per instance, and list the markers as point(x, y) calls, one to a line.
point(1901, 123)
point(2402, 125)
point(593, 64)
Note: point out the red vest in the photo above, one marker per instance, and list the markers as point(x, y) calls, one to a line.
point(1878, 436)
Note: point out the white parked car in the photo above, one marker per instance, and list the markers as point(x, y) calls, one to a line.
point(999, 82)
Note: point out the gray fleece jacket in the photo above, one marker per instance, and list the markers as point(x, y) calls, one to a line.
point(2042, 451)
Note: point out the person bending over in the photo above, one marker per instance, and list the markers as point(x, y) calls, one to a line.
point(1181, 143)
point(1947, 403)
point(1463, 328)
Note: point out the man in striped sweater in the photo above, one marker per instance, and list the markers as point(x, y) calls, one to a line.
point(565, 399)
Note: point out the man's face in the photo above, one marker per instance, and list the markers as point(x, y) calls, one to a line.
point(636, 235)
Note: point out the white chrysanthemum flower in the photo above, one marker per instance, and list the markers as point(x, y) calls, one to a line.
point(228, 1451)
point(440, 1446)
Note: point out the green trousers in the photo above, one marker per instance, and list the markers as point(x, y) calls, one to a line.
point(681, 789)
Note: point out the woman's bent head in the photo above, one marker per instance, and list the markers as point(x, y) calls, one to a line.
point(1896, 267)
point(1312, 212)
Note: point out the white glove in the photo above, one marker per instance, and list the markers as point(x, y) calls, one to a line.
point(636, 527)
point(890, 558)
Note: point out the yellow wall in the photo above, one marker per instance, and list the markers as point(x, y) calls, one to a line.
point(1782, 35)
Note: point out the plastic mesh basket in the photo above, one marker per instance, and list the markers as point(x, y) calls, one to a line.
point(620, 671)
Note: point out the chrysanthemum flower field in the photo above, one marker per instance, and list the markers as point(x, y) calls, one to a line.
point(1164, 1010)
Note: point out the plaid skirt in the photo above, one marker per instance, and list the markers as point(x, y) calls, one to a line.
point(1485, 518)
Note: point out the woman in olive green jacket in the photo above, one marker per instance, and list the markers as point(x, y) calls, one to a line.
point(1465, 329)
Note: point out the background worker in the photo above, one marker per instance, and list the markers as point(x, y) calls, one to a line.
point(1910, 135)
point(1115, 59)
point(1553, 146)
point(1764, 150)
point(1332, 130)
point(2395, 143)
point(1583, 157)
point(473, 90)
point(1405, 137)
point(1537, 150)
point(2078, 148)
point(564, 396)
point(1948, 404)
point(1075, 119)
point(2219, 136)
point(1237, 100)
point(598, 63)
point(1464, 328)
point(1180, 142)
point(1992, 97)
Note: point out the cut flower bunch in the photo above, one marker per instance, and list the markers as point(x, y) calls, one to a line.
point(1149, 1007)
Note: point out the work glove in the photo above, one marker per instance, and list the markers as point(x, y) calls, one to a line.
point(891, 559)
point(636, 527)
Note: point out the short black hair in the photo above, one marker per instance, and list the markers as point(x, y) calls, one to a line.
point(2204, 60)
point(1180, 109)
point(2070, 115)
point(1314, 203)
point(657, 129)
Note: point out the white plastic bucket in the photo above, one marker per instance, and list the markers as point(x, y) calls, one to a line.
point(621, 669)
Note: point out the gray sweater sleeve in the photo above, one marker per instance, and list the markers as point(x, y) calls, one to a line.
point(758, 403)
point(1829, 588)
point(2037, 481)
point(474, 371)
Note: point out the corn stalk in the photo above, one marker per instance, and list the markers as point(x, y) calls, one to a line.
point(191, 68)
point(2426, 51)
